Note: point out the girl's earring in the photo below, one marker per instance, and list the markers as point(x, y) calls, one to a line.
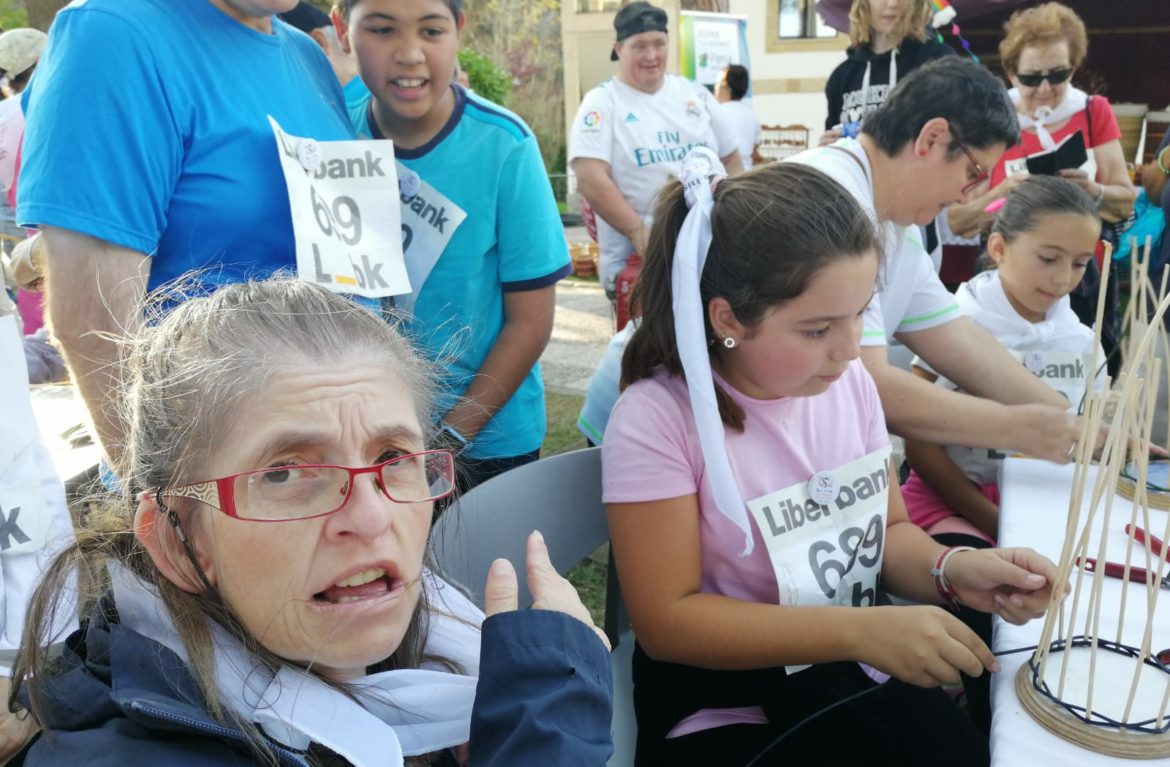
point(729, 342)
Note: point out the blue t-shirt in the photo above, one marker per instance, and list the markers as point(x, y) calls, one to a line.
point(486, 161)
point(147, 128)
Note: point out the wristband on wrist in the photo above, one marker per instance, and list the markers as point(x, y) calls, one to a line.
point(1100, 195)
point(1161, 165)
point(941, 583)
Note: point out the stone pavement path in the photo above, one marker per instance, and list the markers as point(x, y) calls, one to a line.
point(581, 330)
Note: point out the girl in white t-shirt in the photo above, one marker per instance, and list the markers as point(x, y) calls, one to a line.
point(1042, 242)
point(751, 501)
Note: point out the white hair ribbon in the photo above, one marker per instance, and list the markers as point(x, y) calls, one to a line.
point(690, 254)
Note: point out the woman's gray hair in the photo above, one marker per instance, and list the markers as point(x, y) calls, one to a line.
point(190, 373)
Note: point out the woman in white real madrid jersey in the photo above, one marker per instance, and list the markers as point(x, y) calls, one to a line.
point(751, 502)
point(632, 132)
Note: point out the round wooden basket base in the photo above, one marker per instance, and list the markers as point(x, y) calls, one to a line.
point(1104, 740)
point(1127, 489)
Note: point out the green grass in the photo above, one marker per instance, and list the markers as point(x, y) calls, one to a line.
point(563, 435)
point(589, 577)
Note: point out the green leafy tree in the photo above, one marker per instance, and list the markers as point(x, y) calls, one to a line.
point(523, 37)
point(13, 14)
point(485, 78)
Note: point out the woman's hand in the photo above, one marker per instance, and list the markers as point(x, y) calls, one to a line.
point(831, 136)
point(970, 217)
point(549, 590)
point(921, 645)
point(1016, 584)
point(1081, 179)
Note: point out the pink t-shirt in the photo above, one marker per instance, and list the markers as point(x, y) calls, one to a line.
point(651, 452)
point(1104, 129)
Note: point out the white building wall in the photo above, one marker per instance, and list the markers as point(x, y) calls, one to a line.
point(799, 74)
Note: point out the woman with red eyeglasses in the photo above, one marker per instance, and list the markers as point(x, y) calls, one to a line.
point(271, 598)
point(1042, 49)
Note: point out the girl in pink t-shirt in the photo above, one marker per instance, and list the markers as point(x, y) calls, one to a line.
point(751, 500)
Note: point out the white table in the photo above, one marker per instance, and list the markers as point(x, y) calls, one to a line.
point(1034, 498)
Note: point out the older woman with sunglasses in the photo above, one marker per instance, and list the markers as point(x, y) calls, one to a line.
point(270, 597)
point(1042, 48)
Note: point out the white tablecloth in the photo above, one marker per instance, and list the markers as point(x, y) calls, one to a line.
point(1034, 498)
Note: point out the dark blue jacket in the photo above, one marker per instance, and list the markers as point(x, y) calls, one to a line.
point(119, 699)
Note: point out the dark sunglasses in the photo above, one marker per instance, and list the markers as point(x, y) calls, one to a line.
point(1056, 77)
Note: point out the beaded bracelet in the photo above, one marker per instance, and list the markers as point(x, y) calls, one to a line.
point(1158, 161)
point(941, 583)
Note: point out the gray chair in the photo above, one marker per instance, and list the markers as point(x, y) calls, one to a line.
point(561, 497)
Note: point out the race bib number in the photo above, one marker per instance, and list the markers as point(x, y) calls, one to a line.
point(1067, 372)
point(828, 553)
point(26, 518)
point(343, 198)
point(429, 221)
point(1012, 167)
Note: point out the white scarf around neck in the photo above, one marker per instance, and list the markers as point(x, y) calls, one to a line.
point(983, 299)
point(402, 713)
point(1075, 100)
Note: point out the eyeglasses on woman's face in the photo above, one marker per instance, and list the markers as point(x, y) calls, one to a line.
point(976, 174)
point(303, 491)
point(1054, 76)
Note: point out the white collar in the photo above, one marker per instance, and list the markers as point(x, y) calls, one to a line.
point(1075, 100)
point(983, 299)
point(402, 713)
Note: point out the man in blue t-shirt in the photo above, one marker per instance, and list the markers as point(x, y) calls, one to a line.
point(161, 160)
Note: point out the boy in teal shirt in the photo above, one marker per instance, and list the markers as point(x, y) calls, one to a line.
point(482, 235)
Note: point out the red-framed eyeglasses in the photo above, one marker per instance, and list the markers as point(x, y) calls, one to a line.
point(981, 174)
point(304, 491)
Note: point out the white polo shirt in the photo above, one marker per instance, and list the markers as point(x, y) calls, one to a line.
point(910, 295)
point(644, 138)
